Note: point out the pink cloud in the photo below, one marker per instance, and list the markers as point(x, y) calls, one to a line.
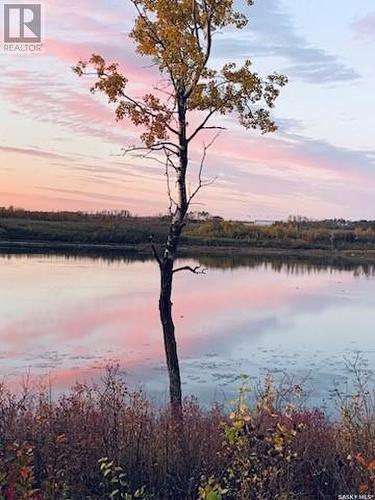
point(60, 105)
point(38, 201)
point(116, 51)
point(365, 26)
point(50, 155)
point(294, 159)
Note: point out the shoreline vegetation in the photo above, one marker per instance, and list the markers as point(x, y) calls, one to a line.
point(120, 232)
point(102, 442)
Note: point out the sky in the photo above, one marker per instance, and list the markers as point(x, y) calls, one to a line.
point(60, 147)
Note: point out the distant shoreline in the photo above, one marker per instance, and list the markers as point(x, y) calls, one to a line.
point(121, 235)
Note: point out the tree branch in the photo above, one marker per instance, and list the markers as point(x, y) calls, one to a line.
point(159, 146)
point(202, 183)
point(214, 127)
point(208, 49)
point(155, 252)
point(195, 270)
point(202, 125)
point(169, 192)
point(157, 39)
point(196, 26)
point(133, 101)
point(145, 110)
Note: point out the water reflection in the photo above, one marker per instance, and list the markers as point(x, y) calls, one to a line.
point(68, 315)
point(289, 263)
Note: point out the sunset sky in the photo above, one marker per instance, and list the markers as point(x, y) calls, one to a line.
point(60, 146)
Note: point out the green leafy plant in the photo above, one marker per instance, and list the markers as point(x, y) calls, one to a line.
point(117, 484)
point(258, 449)
point(211, 490)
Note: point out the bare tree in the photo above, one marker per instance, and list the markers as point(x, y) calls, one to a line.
point(179, 36)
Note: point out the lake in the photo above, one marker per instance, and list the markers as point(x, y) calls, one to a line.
point(64, 318)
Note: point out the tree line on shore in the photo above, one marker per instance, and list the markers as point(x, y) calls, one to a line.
point(201, 228)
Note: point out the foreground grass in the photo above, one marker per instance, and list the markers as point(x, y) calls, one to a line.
point(99, 443)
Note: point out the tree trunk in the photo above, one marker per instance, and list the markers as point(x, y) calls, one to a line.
point(166, 266)
point(165, 308)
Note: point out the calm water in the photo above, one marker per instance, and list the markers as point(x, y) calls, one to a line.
point(65, 318)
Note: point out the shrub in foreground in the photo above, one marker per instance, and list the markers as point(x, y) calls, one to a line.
point(106, 442)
